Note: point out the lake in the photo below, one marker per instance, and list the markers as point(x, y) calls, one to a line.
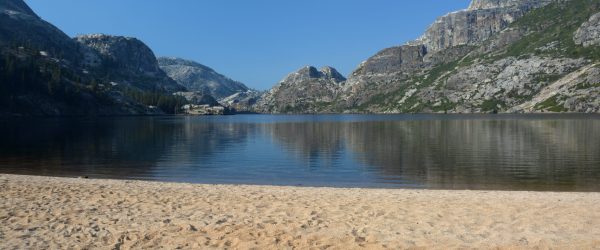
point(502, 152)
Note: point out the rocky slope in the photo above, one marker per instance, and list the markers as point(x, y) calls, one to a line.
point(130, 61)
point(494, 56)
point(199, 78)
point(307, 90)
point(242, 102)
point(516, 66)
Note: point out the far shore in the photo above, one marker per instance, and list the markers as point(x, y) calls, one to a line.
point(53, 212)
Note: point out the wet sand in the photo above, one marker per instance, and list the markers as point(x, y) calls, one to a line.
point(47, 212)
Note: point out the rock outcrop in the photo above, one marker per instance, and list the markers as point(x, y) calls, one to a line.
point(589, 32)
point(199, 78)
point(307, 90)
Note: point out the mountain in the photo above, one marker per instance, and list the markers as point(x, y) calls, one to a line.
point(199, 78)
point(522, 64)
point(494, 56)
point(43, 72)
point(307, 90)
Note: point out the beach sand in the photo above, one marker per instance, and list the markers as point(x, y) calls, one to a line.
point(47, 212)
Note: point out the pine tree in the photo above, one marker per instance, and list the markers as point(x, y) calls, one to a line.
point(94, 85)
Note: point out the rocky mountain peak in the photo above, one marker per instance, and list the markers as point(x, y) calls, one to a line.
point(332, 73)
point(309, 72)
point(126, 52)
point(304, 91)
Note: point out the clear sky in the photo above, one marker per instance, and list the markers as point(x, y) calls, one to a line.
point(257, 42)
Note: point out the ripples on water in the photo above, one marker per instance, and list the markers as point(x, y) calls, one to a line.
point(509, 152)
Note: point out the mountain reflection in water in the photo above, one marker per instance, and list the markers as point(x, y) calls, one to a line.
point(510, 152)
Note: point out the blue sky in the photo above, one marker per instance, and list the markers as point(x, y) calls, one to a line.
point(256, 42)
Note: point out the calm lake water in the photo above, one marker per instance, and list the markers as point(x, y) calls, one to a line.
point(507, 152)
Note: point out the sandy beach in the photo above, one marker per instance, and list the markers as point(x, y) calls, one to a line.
point(47, 212)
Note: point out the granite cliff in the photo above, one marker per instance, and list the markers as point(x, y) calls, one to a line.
point(479, 22)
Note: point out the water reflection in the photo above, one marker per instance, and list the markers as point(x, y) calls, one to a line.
point(475, 152)
point(483, 154)
point(317, 144)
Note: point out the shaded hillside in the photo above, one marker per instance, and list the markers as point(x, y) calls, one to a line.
point(46, 73)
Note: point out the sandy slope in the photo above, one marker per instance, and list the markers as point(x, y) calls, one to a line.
point(43, 212)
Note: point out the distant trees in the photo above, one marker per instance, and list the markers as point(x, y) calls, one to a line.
point(23, 72)
point(169, 104)
point(18, 75)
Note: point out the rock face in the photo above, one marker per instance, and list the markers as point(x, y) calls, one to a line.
point(397, 59)
point(482, 20)
point(200, 78)
point(589, 32)
point(304, 91)
point(132, 60)
point(492, 4)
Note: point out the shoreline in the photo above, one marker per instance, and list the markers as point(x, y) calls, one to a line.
point(332, 186)
point(60, 212)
